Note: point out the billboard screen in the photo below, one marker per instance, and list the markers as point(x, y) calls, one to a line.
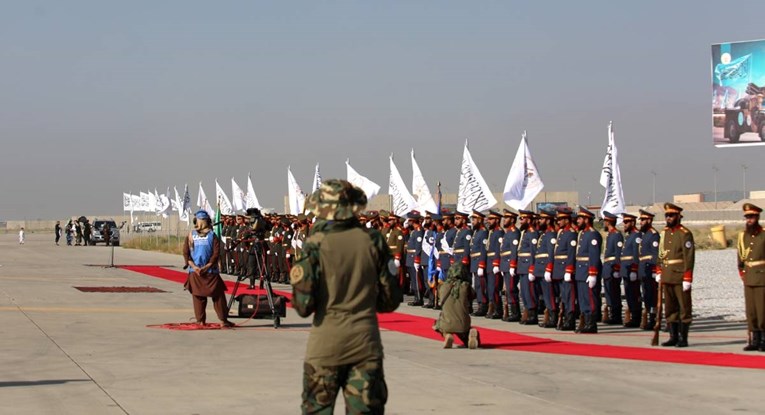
point(738, 86)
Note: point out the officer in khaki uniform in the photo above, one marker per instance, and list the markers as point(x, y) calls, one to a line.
point(675, 274)
point(345, 276)
point(751, 268)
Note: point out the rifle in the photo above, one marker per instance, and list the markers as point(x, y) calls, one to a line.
point(559, 323)
point(657, 327)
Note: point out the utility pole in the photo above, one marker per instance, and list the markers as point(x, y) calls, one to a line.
point(715, 169)
point(743, 169)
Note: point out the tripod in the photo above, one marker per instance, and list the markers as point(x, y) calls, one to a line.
point(265, 284)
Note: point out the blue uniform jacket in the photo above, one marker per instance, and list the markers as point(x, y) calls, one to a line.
point(527, 250)
point(612, 253)
point(649, 253)
point(462, 246)
point(588, 254)
point(444, 258)
point(630, 257)
point(414, 248)
point(480, 239)
point(493, 250)
point(508, 249)
point(544, 253)
point(565, 253)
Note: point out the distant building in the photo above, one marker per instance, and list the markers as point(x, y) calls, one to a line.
point(688, 198)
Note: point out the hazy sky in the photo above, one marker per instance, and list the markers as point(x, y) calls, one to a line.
point(100, 98)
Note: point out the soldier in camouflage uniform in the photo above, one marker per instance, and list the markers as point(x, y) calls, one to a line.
point(345, 276)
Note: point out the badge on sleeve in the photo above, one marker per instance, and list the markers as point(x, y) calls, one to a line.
point(594, 242)
point(515, 242)
point(655, 244)
point(639, 240)
point(619, 244)
point(688, 245)
point(573, 243)
point(534, 241)
point(468, 237)
point(296, 275)
point(419, 239)
point(553, 241)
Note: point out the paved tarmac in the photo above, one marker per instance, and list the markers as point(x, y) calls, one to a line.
point(63, 351)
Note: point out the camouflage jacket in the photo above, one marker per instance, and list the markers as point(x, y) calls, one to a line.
point(345, 276)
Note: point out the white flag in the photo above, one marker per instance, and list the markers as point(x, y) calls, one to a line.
point(523, 182)
point(295, 195)
point(224, 204)
point(176, 200)
point(185, 205)
point(238, 198)
point(316, 179)
point(611, 179)
point(136, 203)
point(250, 199)
point(369, 187)
point(127, 202)
point(420, 191)
point(153, 201)
point(403, 202)
point(145, 202)
point(164, 204)
point(473, 193)
point(203, 203)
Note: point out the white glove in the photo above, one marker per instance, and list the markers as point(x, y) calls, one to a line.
point(299, 244)
point(548, 276)
point(615, 274)
point(439, 269)
point(495, 270)
point(287, 255)
point(591, 281)
point(531, 277)
point(418, 266)
point(270, 239)
point(268, 252)
point(480, 272)
point(686, 286)
point(369, 225)
point(512, 272)
point(657, 277)
point(397, 262)
point(633, 276)
point(567, 277)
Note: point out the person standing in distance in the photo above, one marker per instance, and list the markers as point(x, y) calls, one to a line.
point(57, 230)
point(751, 269)
point(345, 276)
point(201, 250)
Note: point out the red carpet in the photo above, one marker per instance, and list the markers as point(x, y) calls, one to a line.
point(498, 339)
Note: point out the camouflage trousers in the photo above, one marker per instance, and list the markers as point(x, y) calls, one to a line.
point(363, 385)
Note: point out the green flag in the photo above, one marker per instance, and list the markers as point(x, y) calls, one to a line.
point(217, 228)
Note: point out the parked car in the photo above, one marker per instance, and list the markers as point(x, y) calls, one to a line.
point(98, 236)
point(147, 227)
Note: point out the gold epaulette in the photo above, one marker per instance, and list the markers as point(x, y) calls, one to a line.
point(684, 229)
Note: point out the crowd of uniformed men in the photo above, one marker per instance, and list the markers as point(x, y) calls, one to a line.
point(553, 264)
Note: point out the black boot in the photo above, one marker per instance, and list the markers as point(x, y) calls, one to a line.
point(754, 341)
point(651, 322)
point(415, 302)
point(590, 324)
point(552, 321)
point(673, 329)
point(568, 322)
point(532, 318)
point(762, 342)
point(514, 314)
point(682, 335)
point(483, 308)
point(492, 311)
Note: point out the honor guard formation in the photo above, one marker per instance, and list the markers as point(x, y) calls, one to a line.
point(552, 268)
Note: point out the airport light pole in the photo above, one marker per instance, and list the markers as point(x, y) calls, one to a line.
point(743, 169)
point(715, 169)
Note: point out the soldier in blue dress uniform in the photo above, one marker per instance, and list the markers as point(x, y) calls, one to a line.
point(493, 277)
point(508, 264)
point(414, 256)
point(629, 270)
point(612, 314)
point(445, 245)
point(461, 252)
point(564, 265)
point(543, 266)
point(588, 268)
point(478, 242)
point(526, 251)
point(649, 257)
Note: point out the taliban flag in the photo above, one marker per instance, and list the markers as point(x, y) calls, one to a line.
point(166, 207)
point(250, 199)
point(127, 204)
point(295, 195)
point(402, 201)
point(473, 192)
point(523, 182)
point(238, 197)
point(420, 190)
point(370, 188)
point(184, 205)
point(316, 179)
point(224, 204)
point(611, 179)
point(203, 203)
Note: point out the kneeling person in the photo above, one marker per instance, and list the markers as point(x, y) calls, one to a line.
point(455, 297)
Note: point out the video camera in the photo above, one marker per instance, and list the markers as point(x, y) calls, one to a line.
point(258, 223)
